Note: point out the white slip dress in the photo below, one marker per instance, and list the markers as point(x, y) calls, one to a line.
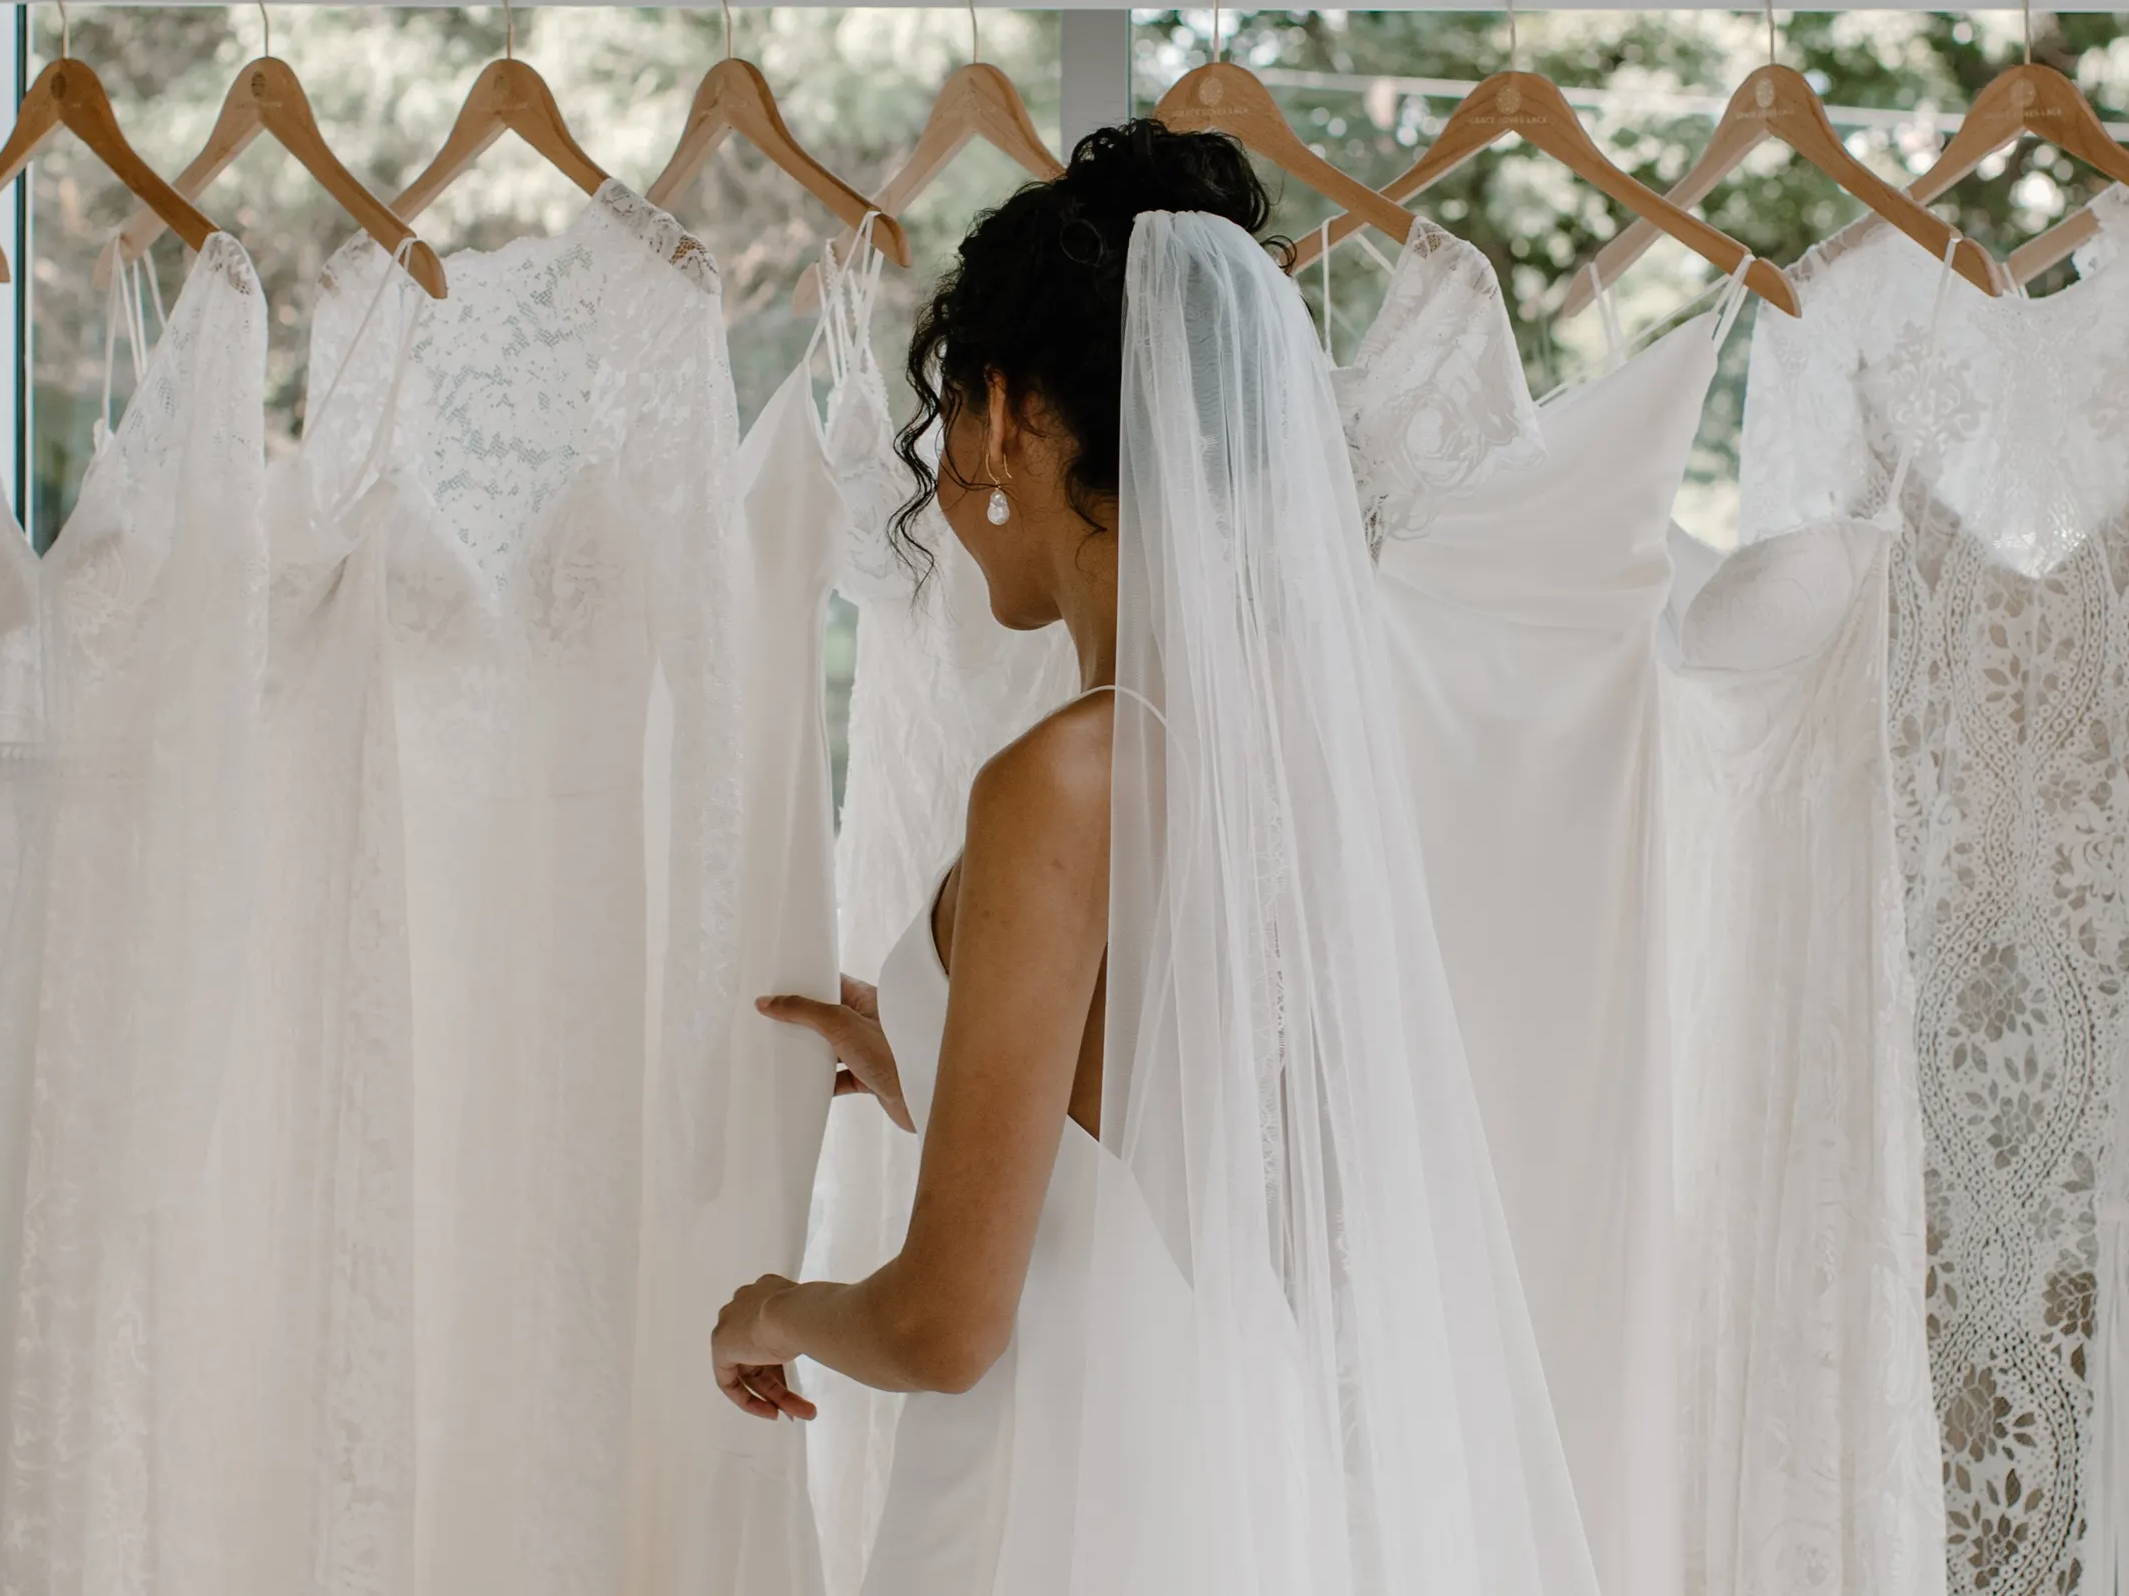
point(1523, 571)
point(985, 1496)
point(1810, 1460)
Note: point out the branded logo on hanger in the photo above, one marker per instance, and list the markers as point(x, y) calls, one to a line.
point(1510, 103)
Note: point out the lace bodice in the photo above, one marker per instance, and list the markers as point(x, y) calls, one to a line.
point(2008, 713)
point(1435, 400)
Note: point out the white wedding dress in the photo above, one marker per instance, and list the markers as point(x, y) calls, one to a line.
point(2008, 713)
point(939, 686)
point(1523, 570)
point(570, 612)
point(1811, 1459)
point(132, 659)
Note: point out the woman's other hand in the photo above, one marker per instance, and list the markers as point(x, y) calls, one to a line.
point(750, 1358)
point(852, 1028)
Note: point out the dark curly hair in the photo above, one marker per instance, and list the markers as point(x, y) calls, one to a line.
point(1037, 296)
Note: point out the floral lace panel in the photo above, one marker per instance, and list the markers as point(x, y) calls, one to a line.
point(1435, 399)
point(2009, 722)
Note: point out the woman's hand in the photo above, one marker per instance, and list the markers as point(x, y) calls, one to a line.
point(852, 1028)
point(750, 1359)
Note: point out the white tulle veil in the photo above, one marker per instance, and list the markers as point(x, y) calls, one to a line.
point(1309, 1368)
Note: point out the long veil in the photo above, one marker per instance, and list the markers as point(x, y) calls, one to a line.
point(1310, 1368)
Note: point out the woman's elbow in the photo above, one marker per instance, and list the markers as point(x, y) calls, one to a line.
point(950, 1353)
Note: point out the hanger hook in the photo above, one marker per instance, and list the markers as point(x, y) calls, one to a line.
point(726, 6)
point(1515, 40)
point(66, 34)
point(509, 31)
point(1219, 53)
point(2026, 6)
point(1770, 32)
point(266, 29)
point(975, 44)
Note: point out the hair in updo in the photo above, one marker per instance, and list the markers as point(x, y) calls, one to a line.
point(1037, 296)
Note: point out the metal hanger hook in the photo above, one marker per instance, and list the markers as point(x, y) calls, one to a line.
point(66, 34)
point(1218, 53)
point(2026, 7)
point(266, 30)
point(975, 44)
point(1770, 32)
point(509, 31)
point(1515, 40)
point(726, 6)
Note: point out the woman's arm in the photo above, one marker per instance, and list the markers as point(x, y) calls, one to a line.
point(1030, 931)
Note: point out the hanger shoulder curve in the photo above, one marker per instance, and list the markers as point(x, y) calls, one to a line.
point(508, 96)
point(267, 97)
point(68, 94)
point(1222, 97)
point(977, 101)
point(736, 98)
point(1533, 108)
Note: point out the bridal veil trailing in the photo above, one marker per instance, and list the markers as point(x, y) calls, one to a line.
point(1308, 1365)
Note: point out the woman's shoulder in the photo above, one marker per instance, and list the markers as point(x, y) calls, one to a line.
point(1054, 774)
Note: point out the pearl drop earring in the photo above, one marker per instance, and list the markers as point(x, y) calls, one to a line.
point(998, 509)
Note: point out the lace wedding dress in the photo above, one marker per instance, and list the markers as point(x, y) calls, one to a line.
point(131, 666)
point(939, 686)
point(565, 582)
point(2007, 715)
point(1523, 569)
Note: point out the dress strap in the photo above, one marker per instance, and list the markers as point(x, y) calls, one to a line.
point(1151, 708)
point(1932, 364)
point(394, 275)
point(1733, 302)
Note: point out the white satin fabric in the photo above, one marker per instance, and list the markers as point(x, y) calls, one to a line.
point(1523, 571)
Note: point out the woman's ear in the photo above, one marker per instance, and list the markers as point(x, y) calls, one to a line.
point(1001, 428)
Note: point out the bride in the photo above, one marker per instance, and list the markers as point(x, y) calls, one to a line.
point(1205, 1291)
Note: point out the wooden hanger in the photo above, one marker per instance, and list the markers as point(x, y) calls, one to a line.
point(507, 97)
point(735, 98)
point(1777, 102)
point(2035, 99)
point(68, 94)
point(1534, 109)
point(268, 98)
point(2053, 247)
point(978, 101)
point(1224, 98)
